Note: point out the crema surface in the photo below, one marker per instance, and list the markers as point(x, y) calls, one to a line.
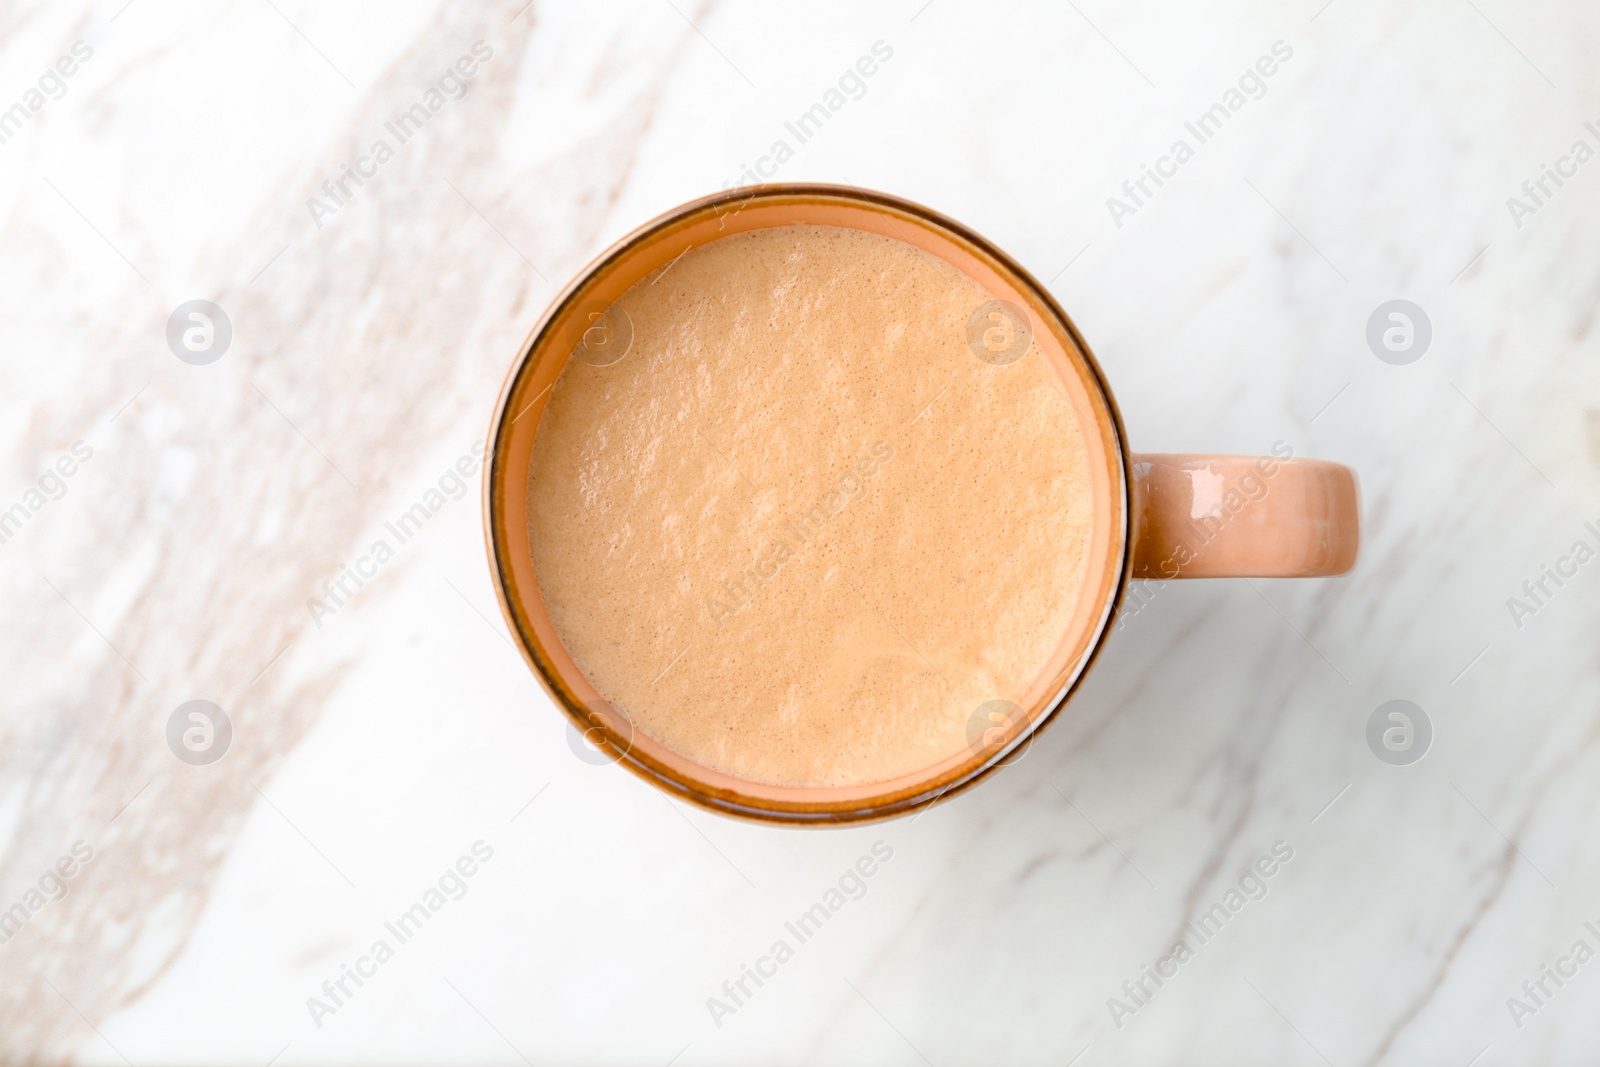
point(801, 532)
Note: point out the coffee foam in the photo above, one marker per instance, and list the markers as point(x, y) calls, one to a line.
point(800, 532)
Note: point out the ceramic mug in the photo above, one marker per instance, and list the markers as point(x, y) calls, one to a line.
point(1157, 516)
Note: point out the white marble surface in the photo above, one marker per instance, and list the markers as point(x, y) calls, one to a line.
point(371, 752)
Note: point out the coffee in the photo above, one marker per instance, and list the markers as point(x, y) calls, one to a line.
point(807, 525)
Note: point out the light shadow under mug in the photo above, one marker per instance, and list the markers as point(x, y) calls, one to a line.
point(1155, 515)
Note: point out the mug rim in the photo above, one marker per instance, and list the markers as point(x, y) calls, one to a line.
point(581, 718)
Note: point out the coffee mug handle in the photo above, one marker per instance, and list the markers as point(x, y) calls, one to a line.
point(1205, 516)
